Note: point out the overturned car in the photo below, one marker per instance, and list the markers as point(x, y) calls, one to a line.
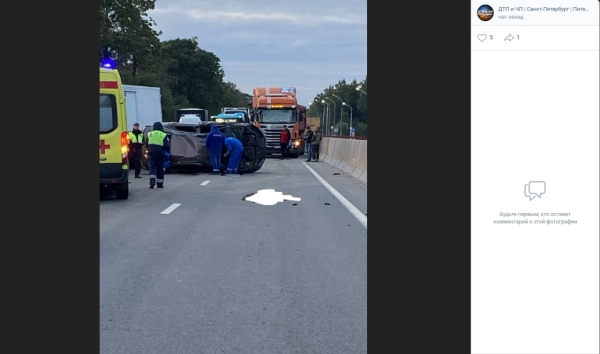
point(188, 149)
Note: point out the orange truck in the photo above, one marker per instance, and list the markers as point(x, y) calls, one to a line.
point(274, 107)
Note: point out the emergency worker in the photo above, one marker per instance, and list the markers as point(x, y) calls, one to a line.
point(167, 164)
point(316, 144)
point(214, 144)
point(135, 149)
point(235, 149)
point(308, 135)
point(158, 144)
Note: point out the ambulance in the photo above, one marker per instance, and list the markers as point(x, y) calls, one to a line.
point(114, 163)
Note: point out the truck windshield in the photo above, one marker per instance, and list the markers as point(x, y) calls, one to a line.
point(277, 116)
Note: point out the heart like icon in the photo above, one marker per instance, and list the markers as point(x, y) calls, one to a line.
point(482, 37)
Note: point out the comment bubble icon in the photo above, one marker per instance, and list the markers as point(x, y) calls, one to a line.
point(535, 189)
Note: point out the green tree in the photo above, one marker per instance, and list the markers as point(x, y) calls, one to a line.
point(198, 73)
point(232, 97)
point(342, 128)
point(187, 75)
point(361, 129)
point(348, 93)
point(127, 29)
point(362, 101)
point(316, 107)
point(156, 75)
point(353, 98)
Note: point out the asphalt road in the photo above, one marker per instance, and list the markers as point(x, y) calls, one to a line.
point(219, 274)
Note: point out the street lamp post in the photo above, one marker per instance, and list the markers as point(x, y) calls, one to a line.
point(341, 110)
point(358, 88)
point(323, 114)
point(327, 98)
point(325, 118)
point(344, 104)
point(327, 126)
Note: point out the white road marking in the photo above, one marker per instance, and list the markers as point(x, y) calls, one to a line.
point(345, 202)
point(170, 209)
point(205, 183)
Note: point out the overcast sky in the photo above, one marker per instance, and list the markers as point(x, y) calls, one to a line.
point(306, 44)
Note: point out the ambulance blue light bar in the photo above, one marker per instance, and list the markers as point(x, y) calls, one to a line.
point(107, 63)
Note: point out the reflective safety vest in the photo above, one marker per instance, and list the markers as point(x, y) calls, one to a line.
point(135, 138)
point(156, 137)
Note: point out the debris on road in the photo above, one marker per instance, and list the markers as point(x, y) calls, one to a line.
point(327, 204)
point(248, 195)
point(294, 204)
point(336, 174)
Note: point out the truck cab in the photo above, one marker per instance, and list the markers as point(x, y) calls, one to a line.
point(274, 107)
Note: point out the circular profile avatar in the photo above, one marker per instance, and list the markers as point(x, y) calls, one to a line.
point(485, 12)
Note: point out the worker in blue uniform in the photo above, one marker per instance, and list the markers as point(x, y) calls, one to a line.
point(235, 149)
point(167, 161)
point(214, 144)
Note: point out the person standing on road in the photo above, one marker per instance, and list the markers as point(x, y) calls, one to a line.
point(284, 141)
point(214, 143)
point(235, 149)
point(158, 144)
point(135, 149)
point(316, 142)
point(167, 163)
point(308, 135)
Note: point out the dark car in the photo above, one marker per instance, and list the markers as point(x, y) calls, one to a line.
point(188, 149)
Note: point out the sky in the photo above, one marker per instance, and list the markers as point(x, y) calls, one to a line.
point(307, 44)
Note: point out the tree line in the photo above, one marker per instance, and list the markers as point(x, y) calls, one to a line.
point(187, 75)
point(348, 95)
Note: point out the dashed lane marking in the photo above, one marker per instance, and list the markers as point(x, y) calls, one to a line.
point(205, 183)
point(170, 209)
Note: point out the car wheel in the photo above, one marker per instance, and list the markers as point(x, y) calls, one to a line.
point(123, 191)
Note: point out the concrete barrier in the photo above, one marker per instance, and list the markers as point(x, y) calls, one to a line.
point(354, 156)
point(328, 155)
point(323, 149)
point(333, 147)
point(363, 175)
point(338, 152)
point(347, 155)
